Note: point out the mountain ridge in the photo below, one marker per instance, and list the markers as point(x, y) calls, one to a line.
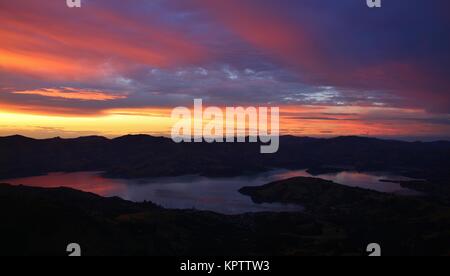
point(140, 156)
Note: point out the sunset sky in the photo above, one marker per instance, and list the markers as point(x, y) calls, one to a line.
point(117, 67)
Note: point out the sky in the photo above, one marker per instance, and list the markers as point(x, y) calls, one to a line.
point(117, 67)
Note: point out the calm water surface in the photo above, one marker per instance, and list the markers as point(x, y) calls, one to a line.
point(202, 193)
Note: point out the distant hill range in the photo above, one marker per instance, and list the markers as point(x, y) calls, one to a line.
point(138, 156)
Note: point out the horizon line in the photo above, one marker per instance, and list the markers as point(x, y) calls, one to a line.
point(386, 138)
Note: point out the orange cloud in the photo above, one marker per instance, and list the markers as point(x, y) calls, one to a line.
point(72, 93)
point(38, 39)
point(361, 120)
point(47, 110)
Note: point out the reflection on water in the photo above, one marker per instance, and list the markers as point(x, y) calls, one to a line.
point(203, 193)
point(372, 182)
point(91, 182)
point(369, 181)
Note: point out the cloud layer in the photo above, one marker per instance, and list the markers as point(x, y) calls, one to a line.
point(120, 55)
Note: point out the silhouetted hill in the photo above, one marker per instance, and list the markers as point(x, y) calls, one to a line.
point(338, 221)
point(401, 225)
point(38, 221)
point(135, 156)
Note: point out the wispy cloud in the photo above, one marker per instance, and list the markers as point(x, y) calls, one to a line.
point(72, 94)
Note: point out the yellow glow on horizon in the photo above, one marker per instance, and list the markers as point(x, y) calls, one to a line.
point(112, 125)
point(157, 121)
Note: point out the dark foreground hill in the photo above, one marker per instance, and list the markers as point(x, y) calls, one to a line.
point(37, 221)
point(145, 156)
point(338, 221)
point(401, 225)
